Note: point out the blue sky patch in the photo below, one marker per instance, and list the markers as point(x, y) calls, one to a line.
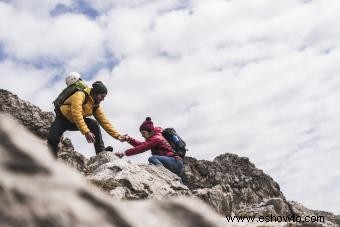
point(79, 6)
point(3, 55)
point(181, 5)
point(60, 9)
point(109, 64)
point(86, 9)
point(45, 62)
point(55, 79)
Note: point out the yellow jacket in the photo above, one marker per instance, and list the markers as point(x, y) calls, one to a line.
point(74, 110)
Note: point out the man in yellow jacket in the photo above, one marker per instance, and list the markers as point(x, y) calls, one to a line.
point(75, 112)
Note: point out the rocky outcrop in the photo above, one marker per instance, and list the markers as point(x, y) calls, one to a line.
point(37, 121)
point(302, 211)
point(235, 181)
point(71, 157)
point(230, 184)
point(124, 180)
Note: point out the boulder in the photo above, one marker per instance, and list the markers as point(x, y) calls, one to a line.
point(124, 180)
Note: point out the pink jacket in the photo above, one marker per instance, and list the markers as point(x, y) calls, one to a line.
point(157, 143)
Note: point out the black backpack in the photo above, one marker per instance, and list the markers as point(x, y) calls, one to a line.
point(175, 141)
point(66, 93)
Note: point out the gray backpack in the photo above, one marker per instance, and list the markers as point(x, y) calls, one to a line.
point(66, 93)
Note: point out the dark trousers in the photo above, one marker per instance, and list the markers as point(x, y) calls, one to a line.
point(61, 124)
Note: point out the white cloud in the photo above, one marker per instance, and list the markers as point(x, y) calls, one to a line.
point(73, 40)
point(27, 82)
point(259, 79)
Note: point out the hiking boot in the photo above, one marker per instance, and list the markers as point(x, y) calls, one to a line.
point(109, 148)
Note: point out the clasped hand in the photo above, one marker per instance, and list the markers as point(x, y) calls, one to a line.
point(123, 138)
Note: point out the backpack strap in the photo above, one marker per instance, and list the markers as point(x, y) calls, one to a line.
point(87, 96)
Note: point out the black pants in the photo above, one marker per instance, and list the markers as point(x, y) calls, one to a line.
point(61, 124)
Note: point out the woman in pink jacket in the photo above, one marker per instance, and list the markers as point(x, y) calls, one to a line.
point(162, 152)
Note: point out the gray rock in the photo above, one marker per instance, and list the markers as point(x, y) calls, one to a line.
point(241, 183)
point(218, 198)
point(37, 121)
point(300, 210)
point(272, 206)
point(96, 161)
point(124, 180)
point(71, 157)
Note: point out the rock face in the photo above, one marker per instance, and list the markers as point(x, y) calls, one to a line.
point(230, 184)
point(234, 181)
point(37, 121)
point(124, 180)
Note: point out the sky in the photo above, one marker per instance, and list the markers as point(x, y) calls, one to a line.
point(255, 78)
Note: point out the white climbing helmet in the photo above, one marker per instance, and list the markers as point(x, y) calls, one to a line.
point(72, 78)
